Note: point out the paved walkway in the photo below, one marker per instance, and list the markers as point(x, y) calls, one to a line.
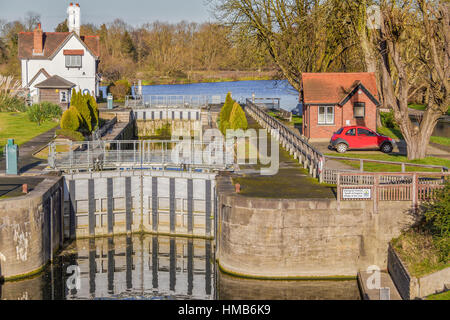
point(291, 181)
point(27, 163)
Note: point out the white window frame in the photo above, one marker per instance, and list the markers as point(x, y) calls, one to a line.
point(359, 105)
point(74, 61)
point(325, 121)
point(65, 94)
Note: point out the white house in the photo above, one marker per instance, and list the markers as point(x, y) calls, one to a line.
point(71, 57)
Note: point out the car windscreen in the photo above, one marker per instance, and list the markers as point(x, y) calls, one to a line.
point(340, 131)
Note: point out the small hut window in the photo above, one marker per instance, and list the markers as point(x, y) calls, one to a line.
point(63, 96)
point(359, 110)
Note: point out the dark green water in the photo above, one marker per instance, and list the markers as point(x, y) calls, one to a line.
point(150, 267)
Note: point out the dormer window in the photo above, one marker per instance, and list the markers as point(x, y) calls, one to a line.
point(73, 58)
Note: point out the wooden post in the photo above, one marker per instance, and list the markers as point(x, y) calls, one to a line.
point(375, 193)
point(361, 165)
point(415, 193)
point(338, 191)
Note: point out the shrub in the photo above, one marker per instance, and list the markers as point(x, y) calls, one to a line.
point(70, 134)
point(225, 114)
point(388, 121)
point(238, 120)
point(120, 89)
point(79, 101)
point(437, 221)
point(93, 107)
point(10, 95)
point(44, 111)
point(70, 119)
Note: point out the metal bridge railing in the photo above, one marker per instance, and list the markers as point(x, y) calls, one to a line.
point(98, 155)
point(161, 101)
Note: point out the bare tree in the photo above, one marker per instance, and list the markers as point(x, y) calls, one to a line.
point(416, 34)
point(300, 35)
point(31, 20)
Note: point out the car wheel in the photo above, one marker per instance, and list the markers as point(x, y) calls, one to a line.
point(386, 148)
point(341, 148)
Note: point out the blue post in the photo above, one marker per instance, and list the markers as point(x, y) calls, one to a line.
point(12, 158)
point(110, 101)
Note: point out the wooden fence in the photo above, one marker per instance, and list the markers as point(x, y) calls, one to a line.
point(415, 187)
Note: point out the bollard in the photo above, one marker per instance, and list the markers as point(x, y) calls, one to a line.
point(110, 101)
point(12, 158)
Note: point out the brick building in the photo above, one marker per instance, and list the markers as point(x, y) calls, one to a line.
point(334, 100)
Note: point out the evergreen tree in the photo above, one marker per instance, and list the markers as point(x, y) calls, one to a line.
point(81, 104)
point(70, 119)
point(225, 114)
point(238, 120)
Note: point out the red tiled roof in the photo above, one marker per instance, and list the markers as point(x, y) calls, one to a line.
point(332, 88)
point(52, 42)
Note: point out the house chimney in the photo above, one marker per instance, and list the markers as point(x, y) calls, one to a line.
point(74, 19)
point(38, 40)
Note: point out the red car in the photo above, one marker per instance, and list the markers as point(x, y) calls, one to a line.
point(357, 137)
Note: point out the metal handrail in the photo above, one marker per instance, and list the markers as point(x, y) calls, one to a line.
point(165, 101)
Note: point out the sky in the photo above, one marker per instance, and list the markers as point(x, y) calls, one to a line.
point(133, 12)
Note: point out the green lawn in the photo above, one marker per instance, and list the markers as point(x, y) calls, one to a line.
point(441, 140)
point(421, 107)
point(397, 135)
point(440, 296)
point(296, 120)
point(377, 167)
point(17, 126)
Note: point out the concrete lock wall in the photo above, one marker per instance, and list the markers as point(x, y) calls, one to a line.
point(276, 238)
point(31, 229)
point(411, 287)
point(178, 127)
point(178, 203)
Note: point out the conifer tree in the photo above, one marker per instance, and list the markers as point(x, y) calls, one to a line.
point(225, 114)
point(238, 120)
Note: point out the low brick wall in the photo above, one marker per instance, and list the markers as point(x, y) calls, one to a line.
point(31, 229)
point(277, 238)
point(411, 287)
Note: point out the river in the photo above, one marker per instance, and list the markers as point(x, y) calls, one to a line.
point(241, 90)
point(157, 268)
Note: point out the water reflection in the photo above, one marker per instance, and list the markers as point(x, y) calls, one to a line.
point(124, 268)
point(150, 267)
point(231, 288)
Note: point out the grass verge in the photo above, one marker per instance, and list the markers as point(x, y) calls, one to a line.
point(17, 126)
point(378, 167)
point(419, 253)
point(440, 296)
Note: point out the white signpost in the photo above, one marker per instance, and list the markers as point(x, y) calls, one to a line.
point(357, 194)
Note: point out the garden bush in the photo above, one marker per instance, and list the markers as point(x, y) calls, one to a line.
point(79, 101)
point(11, 95)
point(70, 119)
point(44, 111)
point(388, 121)
point(436, 221)
point(120, 89)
